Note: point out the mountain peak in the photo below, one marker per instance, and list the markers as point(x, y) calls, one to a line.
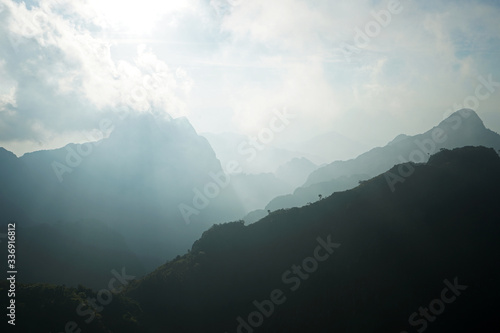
point(5, 152)
point(467, 117)
point(398, 138)
point(148, 128)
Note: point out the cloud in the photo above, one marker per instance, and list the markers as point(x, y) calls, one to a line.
point(59, 74)
point(228, 63)
point(424, 60)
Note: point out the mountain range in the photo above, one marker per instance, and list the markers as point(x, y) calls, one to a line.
point(463, 127)
point(147, 182)
point(424, 258)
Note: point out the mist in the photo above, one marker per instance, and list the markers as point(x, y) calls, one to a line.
point(249, 166)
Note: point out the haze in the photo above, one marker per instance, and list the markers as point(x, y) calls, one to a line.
point(228, 66)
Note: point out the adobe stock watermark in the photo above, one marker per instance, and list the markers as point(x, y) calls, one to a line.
point(372, 29)
point(292, 277)
point(425, 315)
point(427, 147)
point(103, 298)
point(248, 148)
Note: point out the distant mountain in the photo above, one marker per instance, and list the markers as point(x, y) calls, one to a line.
point(16, 186)
point(145, 162)
point(329, 147)
point(295, 171)
point(292, 174)
point(263, 172)
point(253, 157)
point(255, 190)
point(462, 128)
point(156, 182)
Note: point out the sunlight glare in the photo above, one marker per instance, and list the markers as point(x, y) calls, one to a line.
point(136, 17)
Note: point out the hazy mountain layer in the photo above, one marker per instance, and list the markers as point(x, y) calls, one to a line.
point(462, 128)
point(156, 182)
point(364, 260)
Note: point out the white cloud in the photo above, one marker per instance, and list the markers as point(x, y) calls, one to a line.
point(60, 76)
point(427, 58)
point(7, 91)
point(229, 63)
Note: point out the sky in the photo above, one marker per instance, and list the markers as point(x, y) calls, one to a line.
point(369, 70)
